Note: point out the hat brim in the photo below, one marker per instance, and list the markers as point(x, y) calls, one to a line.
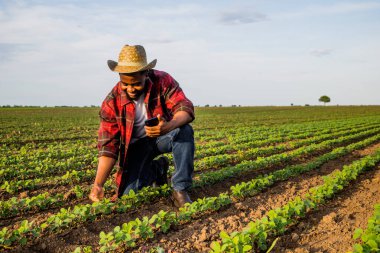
point(113, 65)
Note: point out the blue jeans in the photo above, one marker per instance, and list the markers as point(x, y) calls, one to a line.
point(141, 170)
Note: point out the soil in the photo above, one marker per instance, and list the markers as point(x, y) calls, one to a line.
point(337, 219)
point(331, 228)
point(197, 236)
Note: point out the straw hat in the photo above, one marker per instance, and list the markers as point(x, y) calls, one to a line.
point(131, 59)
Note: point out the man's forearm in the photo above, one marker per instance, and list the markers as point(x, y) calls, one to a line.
point(179, 119)
point(105, 166)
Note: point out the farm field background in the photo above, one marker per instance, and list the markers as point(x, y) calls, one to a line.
point(302, 179)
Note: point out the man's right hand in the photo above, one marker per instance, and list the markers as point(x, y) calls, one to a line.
point(97, 193)
point(104, 168)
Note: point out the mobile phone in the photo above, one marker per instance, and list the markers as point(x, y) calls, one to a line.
point(152, 122)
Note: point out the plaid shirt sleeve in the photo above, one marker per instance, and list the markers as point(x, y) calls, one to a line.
point(175, 98)
point(109, 131)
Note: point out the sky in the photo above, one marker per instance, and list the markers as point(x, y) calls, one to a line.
point(249, 53)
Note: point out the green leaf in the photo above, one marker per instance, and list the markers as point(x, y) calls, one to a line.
point(358, 232)
point(77, 250)
point(215, 246)
point(372, 244)
point(23, 241)
point(247, 248)
point(160, 250)
point(358, 248)
point(224, 235)
point(116, 229)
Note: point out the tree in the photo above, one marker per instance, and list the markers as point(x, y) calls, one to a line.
point(325, 99)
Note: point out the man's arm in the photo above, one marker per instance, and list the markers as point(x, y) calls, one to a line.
point(176, 102)
point(105, 166)
point(180, 118)
point(108, 145)
point(175, 98)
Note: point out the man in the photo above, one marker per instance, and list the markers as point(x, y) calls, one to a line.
point(143, 93)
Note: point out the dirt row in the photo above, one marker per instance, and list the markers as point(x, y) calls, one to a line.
point(196, 236)
point(331, 227)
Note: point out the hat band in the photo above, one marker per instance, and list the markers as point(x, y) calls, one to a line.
point(131, 64)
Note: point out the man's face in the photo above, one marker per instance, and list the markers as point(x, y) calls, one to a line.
point(133, 84)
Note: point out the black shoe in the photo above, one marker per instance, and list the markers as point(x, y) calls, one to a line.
point(162, 170)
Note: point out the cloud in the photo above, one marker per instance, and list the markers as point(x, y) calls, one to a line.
point(331, 9)
point(160, 41)
point(348, 7)
point(241, 17)
point(321, 52)
point(9, 50)
point(62, 48)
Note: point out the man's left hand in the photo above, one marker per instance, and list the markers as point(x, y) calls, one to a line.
point(162, 128)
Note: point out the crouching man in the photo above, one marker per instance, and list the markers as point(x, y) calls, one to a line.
point(141, 94)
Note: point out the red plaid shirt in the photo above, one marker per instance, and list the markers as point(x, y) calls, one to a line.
point(162, 96)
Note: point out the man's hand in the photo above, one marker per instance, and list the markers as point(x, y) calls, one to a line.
point(97, 193)
point(162, 128)
point(105, 166)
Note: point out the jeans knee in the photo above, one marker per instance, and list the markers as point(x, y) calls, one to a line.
point(186, 132)
point(187, 129)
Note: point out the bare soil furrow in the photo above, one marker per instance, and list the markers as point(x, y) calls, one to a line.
point(331, 227)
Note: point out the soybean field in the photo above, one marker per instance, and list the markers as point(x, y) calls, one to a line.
point(278, 179)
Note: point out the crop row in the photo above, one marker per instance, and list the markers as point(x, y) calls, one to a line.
point(243, 153)
point(43, 201)
point(212, 177)
point(28, 164)
point(41, 148)
point(256, 234)
point(251, 141)
point(370, 238)
point(244, 137)
point(33, 149)
point(305, 126)
point(14, 206)
point(237, 135)
point(57, 151)
point(48, 167)
point(75, 176)
point(17, 141)
point(129, 233)
point(17, 206)
point(243, 117)
point(232, 133)
point(81, 213)
point(251, 150)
